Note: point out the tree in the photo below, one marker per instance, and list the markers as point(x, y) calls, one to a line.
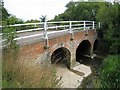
point(109, 16)
point(32, 21)
point(79, 11)
point(96, 0)
point(4, 14)
point(43, 18)
point(13, 20)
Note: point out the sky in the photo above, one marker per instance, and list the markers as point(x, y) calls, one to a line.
point(33, 9)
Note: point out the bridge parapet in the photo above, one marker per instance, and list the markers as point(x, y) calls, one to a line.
point(44, 30)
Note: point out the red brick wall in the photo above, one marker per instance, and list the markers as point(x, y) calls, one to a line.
point(35, 49)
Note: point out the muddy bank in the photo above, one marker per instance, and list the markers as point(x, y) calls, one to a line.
point(92, 81)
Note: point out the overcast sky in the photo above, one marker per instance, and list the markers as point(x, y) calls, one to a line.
point(33, 9)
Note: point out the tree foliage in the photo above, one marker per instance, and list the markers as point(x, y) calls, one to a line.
point(79, 11)
point(43, 18)
point(32, 21)
point(9, 33)
point(12, 20)
point(5, 14)
point(109, 16)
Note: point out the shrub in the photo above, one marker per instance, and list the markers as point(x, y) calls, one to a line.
point(28, 74)
point(110, 72)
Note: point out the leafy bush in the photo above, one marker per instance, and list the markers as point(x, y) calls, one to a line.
point(9, 34)
point(110, 72)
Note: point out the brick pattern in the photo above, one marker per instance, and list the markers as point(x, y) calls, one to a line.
point(33, 50)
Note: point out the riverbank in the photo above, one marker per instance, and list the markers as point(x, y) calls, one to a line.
point(92, 81)
point(84, 75)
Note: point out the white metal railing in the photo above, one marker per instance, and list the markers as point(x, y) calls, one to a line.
point(55, 26)
point(73, 23)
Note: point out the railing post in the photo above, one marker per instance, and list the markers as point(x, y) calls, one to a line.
point(70, 26)
point(56, 27)
point(84, 25)
point(99, 24)
point(71, 32)
point(45, 34)
point(93, 25)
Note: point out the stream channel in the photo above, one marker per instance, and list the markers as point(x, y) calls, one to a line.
point(92, 81)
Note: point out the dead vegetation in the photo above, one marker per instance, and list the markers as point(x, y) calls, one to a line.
point(27, 73)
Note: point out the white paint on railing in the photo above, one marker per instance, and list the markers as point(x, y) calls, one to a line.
point(45, 30)
point(99, 24)
point(93, 25)
point(70, 25)
point(35, 35)
point(84, 25)
point(52, 27)
point(57, 22)
point(1, 34)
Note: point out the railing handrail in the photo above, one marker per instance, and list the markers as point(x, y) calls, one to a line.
point(67, 25)
point(25, 24)
point(48, 27)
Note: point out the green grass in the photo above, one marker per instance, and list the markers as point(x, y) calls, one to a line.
point(110, 72)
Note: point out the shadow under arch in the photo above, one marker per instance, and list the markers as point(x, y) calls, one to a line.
point(96, 46)
point(83, 51)
point(61, 56)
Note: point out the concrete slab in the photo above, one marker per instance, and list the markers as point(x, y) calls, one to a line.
point(83, 68)
point(71, 79)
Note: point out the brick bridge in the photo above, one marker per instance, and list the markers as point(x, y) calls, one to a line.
point(63, 41)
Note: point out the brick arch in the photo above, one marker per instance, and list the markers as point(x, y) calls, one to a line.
point(61, 55)
point(59, 45)
point(79, 41)
point(83, 50)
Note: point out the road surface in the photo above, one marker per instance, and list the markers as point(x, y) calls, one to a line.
point(25, 38)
